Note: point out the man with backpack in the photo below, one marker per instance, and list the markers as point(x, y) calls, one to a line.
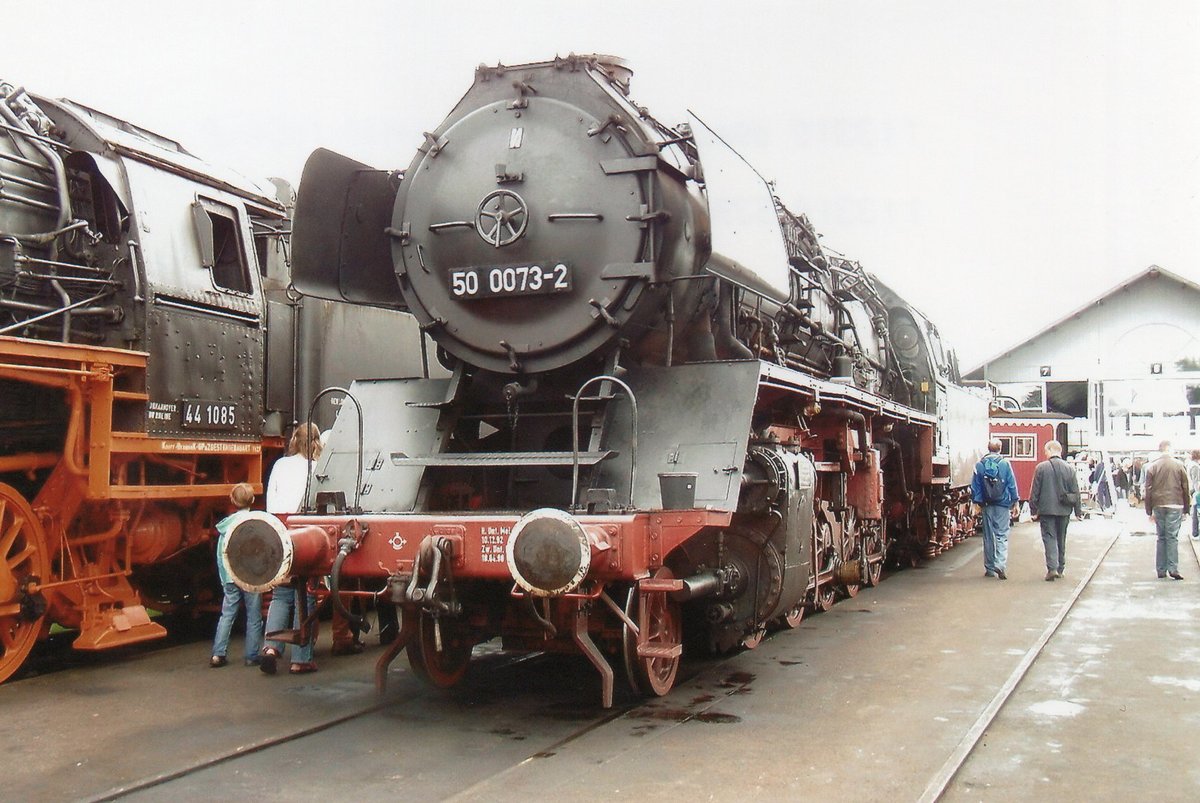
point(994, 489)
point(1052, 499)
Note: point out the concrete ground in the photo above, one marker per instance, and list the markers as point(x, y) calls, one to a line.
point(866, 702)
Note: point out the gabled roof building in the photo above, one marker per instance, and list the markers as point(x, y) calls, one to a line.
point(1125, 367)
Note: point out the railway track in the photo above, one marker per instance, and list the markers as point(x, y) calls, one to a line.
point(501, 670)
point(853, 708)
point(941, 780)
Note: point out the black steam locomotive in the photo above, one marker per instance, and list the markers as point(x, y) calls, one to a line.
point(671, 415)
point(151, 354)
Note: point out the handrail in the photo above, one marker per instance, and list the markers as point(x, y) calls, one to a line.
point(359, 477)
point(575, 437)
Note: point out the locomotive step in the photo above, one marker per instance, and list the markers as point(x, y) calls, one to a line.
point(659, 650)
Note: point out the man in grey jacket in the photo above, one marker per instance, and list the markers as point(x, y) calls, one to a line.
point(1053, 497)
point(1168, 500)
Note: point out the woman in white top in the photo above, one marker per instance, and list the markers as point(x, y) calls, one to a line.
point(285, 495)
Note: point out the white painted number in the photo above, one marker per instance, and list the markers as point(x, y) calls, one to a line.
point(508, 281)
point(464, 282)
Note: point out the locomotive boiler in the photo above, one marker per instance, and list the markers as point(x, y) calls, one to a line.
point(151, 349)
point(671, 416)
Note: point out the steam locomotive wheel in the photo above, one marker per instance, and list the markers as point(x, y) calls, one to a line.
point(873, 557)
point(849, 537)
point(24, 562)
point(650, 675)
point(751, 640)
point(825, 593)
point(444, 668)
point(824, 597)
point(793, 618)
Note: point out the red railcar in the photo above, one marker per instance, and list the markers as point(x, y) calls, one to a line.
point(1023, 437)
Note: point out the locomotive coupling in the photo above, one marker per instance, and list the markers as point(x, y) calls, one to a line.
point(550, 552)
point(261, 553)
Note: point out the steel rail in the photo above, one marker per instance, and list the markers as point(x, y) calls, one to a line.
point(166, 777)
point(937, 786)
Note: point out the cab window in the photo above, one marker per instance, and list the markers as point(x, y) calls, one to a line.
point(221, 249)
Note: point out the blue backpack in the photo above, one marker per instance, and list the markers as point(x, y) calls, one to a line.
point(993, 484)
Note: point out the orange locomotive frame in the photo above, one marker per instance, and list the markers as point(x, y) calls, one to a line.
point(111, 500)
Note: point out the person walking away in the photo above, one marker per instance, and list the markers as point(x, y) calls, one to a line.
point(994, 490)
point(1168, 498)
point(242, 497)
point(1135, 481)
point(1053, 497)
point(285, 495)
point(1121, 481)
point(1100, 485)
point(1193, 472)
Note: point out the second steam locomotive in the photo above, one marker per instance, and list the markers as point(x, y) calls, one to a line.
point(671, 416)
point(151, 350)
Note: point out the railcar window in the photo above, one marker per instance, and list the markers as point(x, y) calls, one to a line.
point(1006, 445)
point(1023, 446)
point(221, 248)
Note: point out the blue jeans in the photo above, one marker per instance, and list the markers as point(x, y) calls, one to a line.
point(1196, 517)
point(234, 598)
point(996, 522)
point(1054, 541)
point(1167, 521)
point(282, 611)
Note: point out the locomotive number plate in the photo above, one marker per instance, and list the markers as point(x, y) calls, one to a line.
point(510, 280)
point(202, 414)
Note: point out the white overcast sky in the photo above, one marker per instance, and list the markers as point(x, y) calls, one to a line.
point(998, 163)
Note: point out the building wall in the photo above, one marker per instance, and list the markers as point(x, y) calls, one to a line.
point(1154, 320)
point(1137, 352)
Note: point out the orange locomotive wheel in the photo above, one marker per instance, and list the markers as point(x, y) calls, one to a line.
point(24, 563)
point(442, 668)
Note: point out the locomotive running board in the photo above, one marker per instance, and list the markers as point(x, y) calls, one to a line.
point(500, 459)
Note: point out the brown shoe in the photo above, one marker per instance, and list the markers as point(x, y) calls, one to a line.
point(267, 659)
point(302, 669)
point(1050, 576)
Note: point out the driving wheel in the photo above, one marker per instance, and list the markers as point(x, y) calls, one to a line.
point(445, 667)
point(661, 621)
point(872, 555)
point(24, 563)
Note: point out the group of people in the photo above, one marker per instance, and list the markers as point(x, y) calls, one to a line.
point(1116, 481)
point(1168, 489)
point(285, 495)
point(1053, 499)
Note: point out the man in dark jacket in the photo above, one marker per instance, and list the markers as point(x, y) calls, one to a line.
point(994, 489)
point(1167, 501)
point(1052, 499)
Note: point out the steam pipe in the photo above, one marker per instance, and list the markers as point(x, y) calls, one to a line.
point(860, 423)
point(345, 547)
point(56, 163)
point(66, 318)
point(725, 339)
